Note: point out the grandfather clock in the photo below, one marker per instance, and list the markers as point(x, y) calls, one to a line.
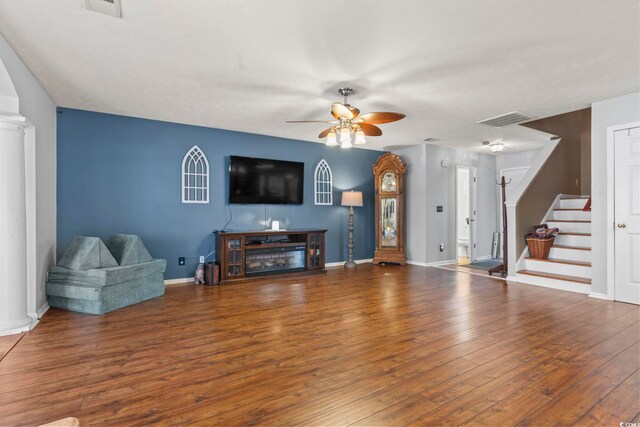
point(388, 173)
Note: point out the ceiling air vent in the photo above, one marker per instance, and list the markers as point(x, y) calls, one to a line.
point(108, 7)
point(506, 119)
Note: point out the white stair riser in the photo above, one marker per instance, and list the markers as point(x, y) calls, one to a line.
point(558, 268)
point(572, 215)
point(571, 227)
point(571, 240)
point(573, 203)
point(570, 254)
point(554, 283)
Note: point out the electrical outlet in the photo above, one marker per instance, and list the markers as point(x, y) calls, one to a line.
point(201, 259)
point(441, 247)
point(181, 260)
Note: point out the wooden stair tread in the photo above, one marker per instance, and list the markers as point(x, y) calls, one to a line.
point(556, 276)
point(575, 234)
point(570, 220)
point(573, 197)
point(576, 209)
point(577, 248)
point(563, 261)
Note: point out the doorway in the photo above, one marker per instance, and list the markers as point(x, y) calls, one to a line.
point(466, 181)
point(625, 227)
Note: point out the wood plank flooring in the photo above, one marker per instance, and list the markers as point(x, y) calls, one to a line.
point(382, 345)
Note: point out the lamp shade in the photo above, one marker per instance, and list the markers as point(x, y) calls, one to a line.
point(352, 198)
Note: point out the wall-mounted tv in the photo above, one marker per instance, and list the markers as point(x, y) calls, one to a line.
point(265, 181)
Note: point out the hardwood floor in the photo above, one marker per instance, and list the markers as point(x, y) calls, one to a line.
point(383, 345)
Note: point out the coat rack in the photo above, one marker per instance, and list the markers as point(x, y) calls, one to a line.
point(502, 268)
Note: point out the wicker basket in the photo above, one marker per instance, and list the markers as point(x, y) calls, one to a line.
point(539, 248)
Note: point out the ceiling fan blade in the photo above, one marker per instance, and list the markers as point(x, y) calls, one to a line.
point(354, 111)
point(382, 117)
point(338, 110)
point(370, 130)
point(324, 133)
point(311, 121)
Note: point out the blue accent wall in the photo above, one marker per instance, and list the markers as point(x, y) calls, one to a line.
point(120, 174)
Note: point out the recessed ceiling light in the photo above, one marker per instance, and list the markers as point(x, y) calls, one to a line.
point(496, 146)
point(108, 7)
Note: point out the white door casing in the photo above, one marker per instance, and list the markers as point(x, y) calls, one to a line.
point(627, 215)
point(473, 211)
point(473, 185)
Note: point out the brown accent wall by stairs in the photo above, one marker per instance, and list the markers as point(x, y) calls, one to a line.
point(561, 173)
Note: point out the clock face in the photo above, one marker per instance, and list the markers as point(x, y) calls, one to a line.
point(389, 183)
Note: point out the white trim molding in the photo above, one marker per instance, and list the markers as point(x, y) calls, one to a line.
point(341, 263)
point(600, 295)
point(610, 213)
point(433, 263)
point(177, 281)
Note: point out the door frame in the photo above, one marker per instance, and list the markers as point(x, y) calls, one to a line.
point(611, 188)
point(473, 206)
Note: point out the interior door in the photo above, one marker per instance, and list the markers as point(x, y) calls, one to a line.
point(473, 211)
point(627, 215)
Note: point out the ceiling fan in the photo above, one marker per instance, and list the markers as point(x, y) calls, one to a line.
point(349, 120)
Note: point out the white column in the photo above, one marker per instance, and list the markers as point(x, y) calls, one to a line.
point(512, 266)
point(13, 229)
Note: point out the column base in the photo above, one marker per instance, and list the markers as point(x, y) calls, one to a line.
point(350, 264)
point(17, 327)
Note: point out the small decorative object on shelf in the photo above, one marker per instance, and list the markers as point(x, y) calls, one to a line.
point(540, 241)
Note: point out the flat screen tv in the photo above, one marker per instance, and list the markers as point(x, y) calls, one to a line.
point(265, 181)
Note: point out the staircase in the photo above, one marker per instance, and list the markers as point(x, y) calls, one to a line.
point(569, 263)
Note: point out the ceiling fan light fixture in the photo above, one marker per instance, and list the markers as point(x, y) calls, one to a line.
point(360, 139)
point(331, 138)
point(345, 135)
point(346, 143)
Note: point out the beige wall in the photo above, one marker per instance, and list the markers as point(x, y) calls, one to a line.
point(561, 173)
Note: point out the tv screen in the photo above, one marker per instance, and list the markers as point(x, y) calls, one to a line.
point(265, 181)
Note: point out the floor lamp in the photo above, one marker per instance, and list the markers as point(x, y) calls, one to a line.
point(351, 199)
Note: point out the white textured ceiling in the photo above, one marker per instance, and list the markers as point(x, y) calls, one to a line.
point(250, 65)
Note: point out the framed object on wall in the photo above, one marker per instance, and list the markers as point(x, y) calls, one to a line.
point(323, 184)
point(195, 176)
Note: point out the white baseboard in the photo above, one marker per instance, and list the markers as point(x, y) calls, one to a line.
point(341, 263)
point(176, 281)
point(40, 312)
point(599, 295)
point(432, 264)
point(25, 328)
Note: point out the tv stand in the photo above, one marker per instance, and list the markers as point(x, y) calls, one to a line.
point(247, 254)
